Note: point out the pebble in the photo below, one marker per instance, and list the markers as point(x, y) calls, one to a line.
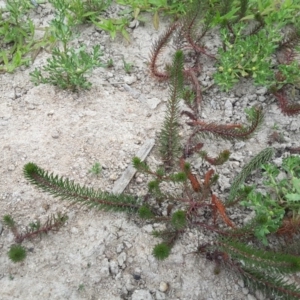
point(148, 228)
point(113, 177)
point(163, 286)
point(74, 230)
point(55, 134)
point(120, 248)
point(228, 108)
point(113, 267)
point(121, 259)
point(250, 297)
point(153, 102)
point(159, 295)
point(141, 295)
point(129, 79)
point(11, 168)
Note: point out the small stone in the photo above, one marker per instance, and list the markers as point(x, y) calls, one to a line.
point(136, 276)
point(134, 24)
point(113, 267)
point(130, 79)
point(259, 295)
point(228, 108)
point(245, 291)
point(104, 271)
point(74, 230)
point(241, 283)
point(141, 295)
point(1, 228)
point(55, 134)
point(148, 228)
point(239, 145)
point(262, 91)
point(250, 297)
point(113, 177)
point(121, 259)
point(11, 168)
point(120, 247)
point(139, 180)
point(261, 98)
point(294, 125)
point(153, 102)
point(159, 295)
point(50, 113)
point(163, 286)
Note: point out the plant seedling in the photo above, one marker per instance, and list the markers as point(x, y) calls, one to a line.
point(17, 253)
point(96, 169)
point(127, 66)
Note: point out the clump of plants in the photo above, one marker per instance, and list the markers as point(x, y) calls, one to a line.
point(277, 208)
point(17, 252)
point(80, 12)
point(260, 40)
point(185, 209)
point(68, 66)
point(17, 42)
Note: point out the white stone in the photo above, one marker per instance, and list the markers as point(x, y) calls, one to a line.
point(228, 108)
point(121, 259)
point(141, 295)
point(153, 102)
point(113, 266)
point(159, 295)
point(130, 79)
point(163, 286)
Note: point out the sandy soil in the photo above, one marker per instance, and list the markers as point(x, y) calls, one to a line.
point(100, 255)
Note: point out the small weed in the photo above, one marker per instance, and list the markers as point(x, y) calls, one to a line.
point(84, 11)
point(127, 66)
point(113, 26)
point(280, 202)
point(17, 253)
point(96, 169)
point(81, 287)
point(68, 66)
point(110, 63)
point(17, 33)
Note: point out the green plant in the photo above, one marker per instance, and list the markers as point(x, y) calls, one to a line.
point(175, 8)
point(68, 66)
point(127, 66)
point(17, 33)
point(113, 26)
point(190, 196)
point(84, 11)
point(96, 169)
point(278, 208)
point(68, 69)
point(17, 252)
point(110, 63)
point(251, 35)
